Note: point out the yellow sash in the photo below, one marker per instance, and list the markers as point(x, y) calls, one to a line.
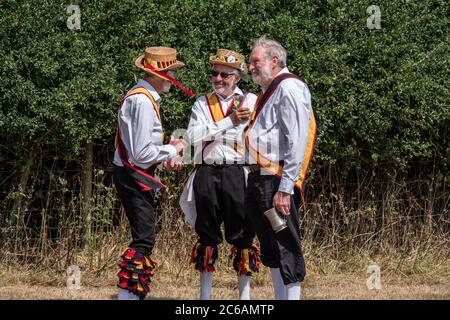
point(277, 168)
point(143, 178)
point(143, 90)
point(215, 108)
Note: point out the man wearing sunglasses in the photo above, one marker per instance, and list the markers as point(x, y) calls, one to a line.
point(214, 194)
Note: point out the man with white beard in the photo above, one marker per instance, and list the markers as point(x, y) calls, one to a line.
point(279, 142)
point(216, 189)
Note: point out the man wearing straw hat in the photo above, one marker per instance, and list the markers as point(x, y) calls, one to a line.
point(279, 140)
point(139, 150)
point(216, 189)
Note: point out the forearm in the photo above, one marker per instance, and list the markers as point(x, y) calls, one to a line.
point(289, 177)
point(200, 132)
point(150, 153)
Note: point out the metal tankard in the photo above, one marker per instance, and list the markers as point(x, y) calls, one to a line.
point(277, 221)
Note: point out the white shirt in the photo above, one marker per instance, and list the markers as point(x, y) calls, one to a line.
point(141, 130)
point(280, 131)
point(202, 128)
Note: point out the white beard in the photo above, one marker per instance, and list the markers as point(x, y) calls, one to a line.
point(223, 90)
point(262, 77)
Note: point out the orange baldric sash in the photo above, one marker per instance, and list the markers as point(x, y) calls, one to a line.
point(215, 108)
point(269, 165)
point(144, 178)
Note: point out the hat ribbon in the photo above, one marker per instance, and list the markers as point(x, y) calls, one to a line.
point(171, 79)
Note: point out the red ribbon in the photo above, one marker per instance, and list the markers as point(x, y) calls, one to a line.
point(169, 78)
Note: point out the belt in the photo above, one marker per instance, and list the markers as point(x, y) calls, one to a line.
point(254, 167)
point(224, 165)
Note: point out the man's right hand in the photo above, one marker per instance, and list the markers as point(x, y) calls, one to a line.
point(178, 144)
point(240, 115)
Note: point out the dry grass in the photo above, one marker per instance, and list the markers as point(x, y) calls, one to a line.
point(346, 228)
point(336, 270)
point(413, 275)
point(334, 287)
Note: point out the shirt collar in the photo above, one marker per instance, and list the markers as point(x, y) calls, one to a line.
point(284, 70)
point(149, 87)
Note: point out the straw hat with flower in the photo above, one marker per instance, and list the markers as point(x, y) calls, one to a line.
point(229, 58)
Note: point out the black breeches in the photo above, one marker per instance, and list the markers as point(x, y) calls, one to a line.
point(278, 250)
point(139, 210)
point(219, 197)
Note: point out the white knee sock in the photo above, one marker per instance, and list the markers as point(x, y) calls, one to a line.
point(244, 287)
point(126, 295)
point(278, 285)
point(205, 285)
point(293, 291)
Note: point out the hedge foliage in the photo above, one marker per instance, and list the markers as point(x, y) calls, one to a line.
point(379, 95)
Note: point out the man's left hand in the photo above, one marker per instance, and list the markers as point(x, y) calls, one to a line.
point(173, 165)
point(282, 202)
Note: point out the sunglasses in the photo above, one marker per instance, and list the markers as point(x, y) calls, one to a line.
point(224, 75)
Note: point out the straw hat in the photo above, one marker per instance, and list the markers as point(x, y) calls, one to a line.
point(160, 58)
point(229, 58)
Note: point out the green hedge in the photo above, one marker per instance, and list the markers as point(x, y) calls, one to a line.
point(380, 96)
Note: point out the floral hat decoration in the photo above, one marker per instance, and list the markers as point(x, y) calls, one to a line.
point(229, 58)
